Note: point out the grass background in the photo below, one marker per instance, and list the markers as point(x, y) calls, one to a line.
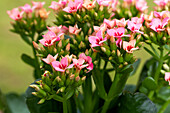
point(15, 76)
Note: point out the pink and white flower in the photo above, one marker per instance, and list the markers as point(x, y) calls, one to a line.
point(97, 40)
point(50, 38)
point(79, 63)
point(119, 42)
point(160, 14)
point(110, 23)
point(104, 2)
point(117, 32)
point(134, 27)
point(161, 3)
point(89, 4)
point(158, 25)
point(57, 5)
point(141, 5)
point(61, 66)
point(121, 23)
point(15, 14)
point(167, 77)
point(137, 20)
point(73, 6)
point(27, 8)
point(88, 60)
point(50, 59)
point(103, 28)
point(55, 29)
point(130, 46)
point(37, 5)
point(74, 30)
point(128, 1)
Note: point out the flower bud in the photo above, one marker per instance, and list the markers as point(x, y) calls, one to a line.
point(46, 87)
point(68, 47)
point(166, 67)
point(41, 101)
point(163, 72)
point(118, 53)
point(77, 79)
point(82, 45)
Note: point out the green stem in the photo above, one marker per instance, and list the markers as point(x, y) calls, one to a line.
point(157, 73)
point(65, 106)
point(115, 89)
point(164, 106)
point(37, 65)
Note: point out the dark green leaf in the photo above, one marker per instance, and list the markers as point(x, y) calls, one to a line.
point(28, 60)
point(167, 47)
point(26, 39)
point(149, 83)
point(130, 88)
point(164, 93)
point(4, 107)
point(17, 103)
point(136, 103)
point(135, 67)
point(107, 81)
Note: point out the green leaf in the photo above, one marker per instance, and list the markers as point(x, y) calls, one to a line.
point(151, 53)
point(3, 104)
point(130, 88)
point(69, 94)
point(135, 67)
point(17, 103)
point(149, 83)
point(28, 60)
point(136, 103)
point(47, 106)
point(26, 39)
point(164, 93)
point(167, 47)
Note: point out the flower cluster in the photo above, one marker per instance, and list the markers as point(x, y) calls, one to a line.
point(162, 5)
point(29, 19)
point(157, 27)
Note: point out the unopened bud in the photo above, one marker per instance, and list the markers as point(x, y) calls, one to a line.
point(125, 63)
point(118, 53)
point(120, 66)
point(60, 44)
point(146, 36)
point(36, 46)
point(41, 101)
point(163, 72)
point(112, 39)
point(72, 77)
point(68, 47)
point(166, 67)
point(77, 78)
point(82, 45)
point(103, 49)
point(83, 78)
point(164, 39)
point(35, 87)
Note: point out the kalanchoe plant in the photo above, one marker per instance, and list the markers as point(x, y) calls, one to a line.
point(86, 35)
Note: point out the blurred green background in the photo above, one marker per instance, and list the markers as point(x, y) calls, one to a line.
point(15, 75)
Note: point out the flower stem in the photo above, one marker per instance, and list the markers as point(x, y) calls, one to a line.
point(65, 106)
point(164, 106)
point(157, 73)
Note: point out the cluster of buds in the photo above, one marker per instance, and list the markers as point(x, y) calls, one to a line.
point(166, 72)
point(84, 13)
point(64, 79)
point(130, 8)
point(157, 28)
point(29, 19)
point(116, 42)
point(162, 5)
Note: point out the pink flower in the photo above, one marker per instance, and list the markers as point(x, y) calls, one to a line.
point(117, 32)
point(161, 3)
point(128, 1)
point(119, 42)
point(167, 77)
point(50, 59)
point(57, 5)
point(37, 5)
point(114, 3)
point(55, 29)
point(64, 29)
point(110, 24)
point(61, 66)
point(89, 4)
point(74, 30)
point(159, 14)
point(121, 23)
point(129, 46)
point(79, 63)
point(50, 38)
point(73, 6)
point(141, 5)
point(88, 60)
point(158, 25)
point(137, 20)
point(97, 40)
point(15, 14)
point(26, 8)
point(134, 27)
point(104, 2)
point(103, 28)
